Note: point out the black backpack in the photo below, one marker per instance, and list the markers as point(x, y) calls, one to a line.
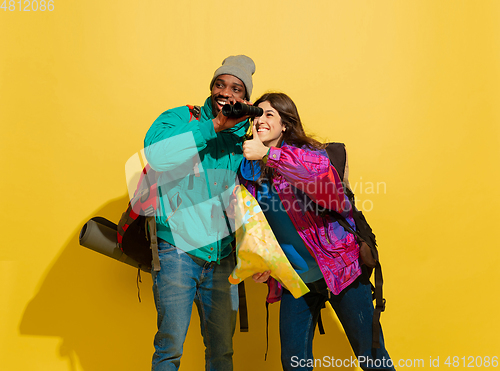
point(364, 235)
point(136, 232)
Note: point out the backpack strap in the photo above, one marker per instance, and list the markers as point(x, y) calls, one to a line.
point(320, 322)
point(149, 212)
point(379, 306)
point(195, 112)
point(242, 307)
point(267, 330)
point(338, 157)
point(151, 222)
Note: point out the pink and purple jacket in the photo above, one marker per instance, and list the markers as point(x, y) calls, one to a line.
point(306, 183)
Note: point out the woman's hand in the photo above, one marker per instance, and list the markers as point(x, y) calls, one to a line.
point(261, 277)
point(254, 149)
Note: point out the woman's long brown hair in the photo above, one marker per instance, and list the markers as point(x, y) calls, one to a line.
point(294, 133)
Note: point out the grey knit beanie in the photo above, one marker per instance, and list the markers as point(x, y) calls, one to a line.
point(239, 66)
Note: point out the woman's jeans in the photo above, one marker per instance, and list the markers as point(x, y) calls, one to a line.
point(354, 308)
point(183, 279)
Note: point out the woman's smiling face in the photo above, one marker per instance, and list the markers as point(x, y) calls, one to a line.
point(269, 126)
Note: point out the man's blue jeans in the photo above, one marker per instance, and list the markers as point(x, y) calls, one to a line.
point(183, 279)
point(354, 308)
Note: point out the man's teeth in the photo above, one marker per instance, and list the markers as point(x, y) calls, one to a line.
point(221, 103)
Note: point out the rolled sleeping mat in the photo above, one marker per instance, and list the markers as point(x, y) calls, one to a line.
point(99, 234)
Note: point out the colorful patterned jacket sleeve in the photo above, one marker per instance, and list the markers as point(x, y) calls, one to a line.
point(312, 173)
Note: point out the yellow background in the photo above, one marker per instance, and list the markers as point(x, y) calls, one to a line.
point(412, 88)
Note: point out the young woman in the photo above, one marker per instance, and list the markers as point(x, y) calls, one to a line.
point(291, 176)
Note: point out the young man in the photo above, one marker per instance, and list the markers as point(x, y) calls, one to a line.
point(198, 159)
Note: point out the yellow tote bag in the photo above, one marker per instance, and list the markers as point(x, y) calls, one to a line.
point(257, 249)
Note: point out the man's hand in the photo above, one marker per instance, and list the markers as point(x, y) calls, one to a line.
point(222, 122)
point(231, 209)
point(254, 149)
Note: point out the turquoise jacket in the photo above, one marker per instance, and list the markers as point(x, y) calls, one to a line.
point(197, 173)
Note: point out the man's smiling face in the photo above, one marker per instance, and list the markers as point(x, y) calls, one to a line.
point(226, 86)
